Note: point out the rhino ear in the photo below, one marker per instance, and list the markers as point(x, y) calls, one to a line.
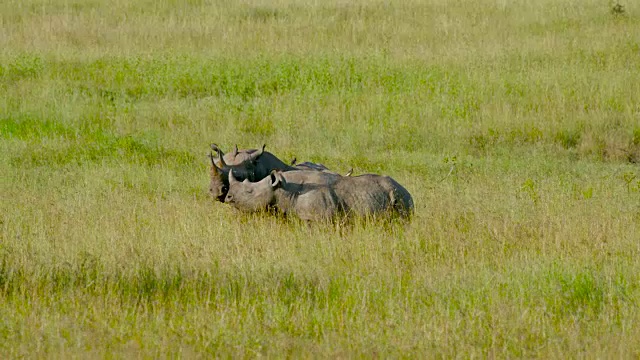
point(276, 179)
point(221, 157)
point(210, 156)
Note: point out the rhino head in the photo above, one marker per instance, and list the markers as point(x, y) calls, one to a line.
point(252, 196)
point(219, 184)
point(219, 173)
point(237, 157)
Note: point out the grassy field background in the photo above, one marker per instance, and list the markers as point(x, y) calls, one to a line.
point(110, 246)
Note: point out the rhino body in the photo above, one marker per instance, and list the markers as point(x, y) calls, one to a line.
point(372, 194)
point(321, 196)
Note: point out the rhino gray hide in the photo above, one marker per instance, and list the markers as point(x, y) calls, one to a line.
point(321, 196)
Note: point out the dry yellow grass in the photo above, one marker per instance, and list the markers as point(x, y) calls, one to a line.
point(109, 245)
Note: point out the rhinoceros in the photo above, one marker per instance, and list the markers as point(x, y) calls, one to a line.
point(264, 162)
point(251, 164)
point(267, 161)
point(320, 196)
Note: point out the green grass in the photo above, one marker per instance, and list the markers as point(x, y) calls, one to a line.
point(515, 126)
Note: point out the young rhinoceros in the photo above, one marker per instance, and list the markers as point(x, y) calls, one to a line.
point(318, 196)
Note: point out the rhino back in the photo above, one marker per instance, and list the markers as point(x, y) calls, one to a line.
point(307, 165)
point(268, 162)
point(302, 177)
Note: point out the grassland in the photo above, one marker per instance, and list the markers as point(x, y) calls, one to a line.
point(530, 247)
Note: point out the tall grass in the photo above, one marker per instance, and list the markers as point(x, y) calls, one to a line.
point(515, 125)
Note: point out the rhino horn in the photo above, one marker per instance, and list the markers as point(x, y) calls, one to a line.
point(235, 151)
point(216, 148)
point(214, 168)
point(349, 172)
